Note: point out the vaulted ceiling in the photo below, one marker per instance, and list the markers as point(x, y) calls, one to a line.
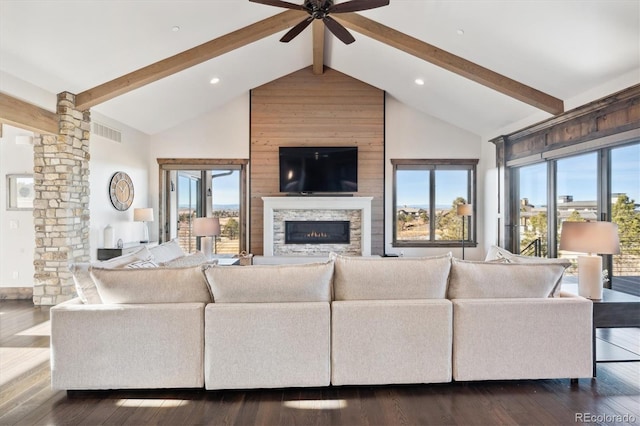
point(561, 49)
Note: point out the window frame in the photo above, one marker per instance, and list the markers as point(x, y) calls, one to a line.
point(167, 165)
point(433, 165)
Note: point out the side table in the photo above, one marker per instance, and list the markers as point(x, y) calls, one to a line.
point(615, 310)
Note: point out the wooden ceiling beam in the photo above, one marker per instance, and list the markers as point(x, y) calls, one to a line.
point(188, 58)
point(450, 62)
point(318, 46)
point(15, 112)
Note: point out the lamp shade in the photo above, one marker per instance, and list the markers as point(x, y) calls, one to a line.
point(143, 215)
point(206, 226)
point(590, 237)
point(464, 210)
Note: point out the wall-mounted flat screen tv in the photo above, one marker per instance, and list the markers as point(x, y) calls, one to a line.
point(318, 169)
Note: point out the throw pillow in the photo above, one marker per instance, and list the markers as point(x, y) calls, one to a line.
point(151, 285)
point(478, 280)
point(271, 283)
point(166, 252)
point(496, 252)
point(194, 259)
point(392, 278)
point(141, 253)
point(142, 264)
point(85, 287)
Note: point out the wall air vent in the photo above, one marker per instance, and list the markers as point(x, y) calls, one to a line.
point(110, 133)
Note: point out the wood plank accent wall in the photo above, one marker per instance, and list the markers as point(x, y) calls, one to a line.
point(303, 109)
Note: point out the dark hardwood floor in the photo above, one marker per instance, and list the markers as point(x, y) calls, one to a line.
point(27, 399)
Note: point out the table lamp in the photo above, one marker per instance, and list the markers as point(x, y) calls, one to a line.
point(593, 238)
point(143, 215)
point(207, 228)
point(464, 210)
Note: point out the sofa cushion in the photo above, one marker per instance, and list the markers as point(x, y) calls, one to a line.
point(85, 287)
point(478, 280)
point(271, 283)
point(166, 252)
point(392, 278)
point(154, 285)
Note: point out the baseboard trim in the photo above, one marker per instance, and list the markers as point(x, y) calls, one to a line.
point(16, 293)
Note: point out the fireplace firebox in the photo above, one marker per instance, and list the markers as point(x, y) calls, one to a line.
point(317, 232)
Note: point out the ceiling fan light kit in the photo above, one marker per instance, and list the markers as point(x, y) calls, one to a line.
point(321, 9)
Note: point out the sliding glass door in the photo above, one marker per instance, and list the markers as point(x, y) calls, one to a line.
point(215, 189)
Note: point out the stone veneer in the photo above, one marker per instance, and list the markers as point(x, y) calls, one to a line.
point(61, 205)
point(355, 226)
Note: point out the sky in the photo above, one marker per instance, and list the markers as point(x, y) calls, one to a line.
point(413, 187)
point(226, 190)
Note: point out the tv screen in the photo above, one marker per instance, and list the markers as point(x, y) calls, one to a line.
point(318, 169)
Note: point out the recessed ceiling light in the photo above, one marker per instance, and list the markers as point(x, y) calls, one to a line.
point(419, 81)
point(175, 28)
point(214, 80)
point(460, 32)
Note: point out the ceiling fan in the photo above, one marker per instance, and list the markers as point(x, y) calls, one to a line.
point(320, 9)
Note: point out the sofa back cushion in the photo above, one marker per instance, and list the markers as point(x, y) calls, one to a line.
point(391, 278)
point(271, 283)
point(154, 285)
point(480, 280)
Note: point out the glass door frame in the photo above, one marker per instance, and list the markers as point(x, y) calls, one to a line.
point(167, 165)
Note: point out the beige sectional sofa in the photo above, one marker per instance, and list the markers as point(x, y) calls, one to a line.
point(345, 321)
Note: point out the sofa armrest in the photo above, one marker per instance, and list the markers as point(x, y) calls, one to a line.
point(109, 346)
point(496, 339)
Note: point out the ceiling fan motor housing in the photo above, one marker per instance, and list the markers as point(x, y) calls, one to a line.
point(318, 9)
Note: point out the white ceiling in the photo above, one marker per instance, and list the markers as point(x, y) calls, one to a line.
point(563, 48)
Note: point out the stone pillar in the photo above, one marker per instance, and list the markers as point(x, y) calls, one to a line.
point(61, 205)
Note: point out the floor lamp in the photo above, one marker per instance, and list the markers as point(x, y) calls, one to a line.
point(591, 238)
point(207, 228)
point(464, 211)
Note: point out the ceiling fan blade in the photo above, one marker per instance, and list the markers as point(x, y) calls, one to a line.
point(280, 3)
point(357, 5)
point(296, 30)
point(338, 30)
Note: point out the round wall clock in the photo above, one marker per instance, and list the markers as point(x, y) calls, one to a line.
point(121, 191)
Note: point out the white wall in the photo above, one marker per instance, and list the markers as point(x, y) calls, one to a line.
point(17, 234)
point(220, 133)
point(413, 134)
point(131, 156)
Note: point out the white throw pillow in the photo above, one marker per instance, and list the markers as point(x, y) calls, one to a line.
point(141, 253)
point(166, 252)
point(194, 259)
point(391, 278)
point(496, 252)
point(271, 283)
point(480, 280)
point(85, 287)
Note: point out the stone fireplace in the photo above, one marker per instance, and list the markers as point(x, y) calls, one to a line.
point(310, 218)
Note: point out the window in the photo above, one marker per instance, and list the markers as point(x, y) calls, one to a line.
point(425, 198)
